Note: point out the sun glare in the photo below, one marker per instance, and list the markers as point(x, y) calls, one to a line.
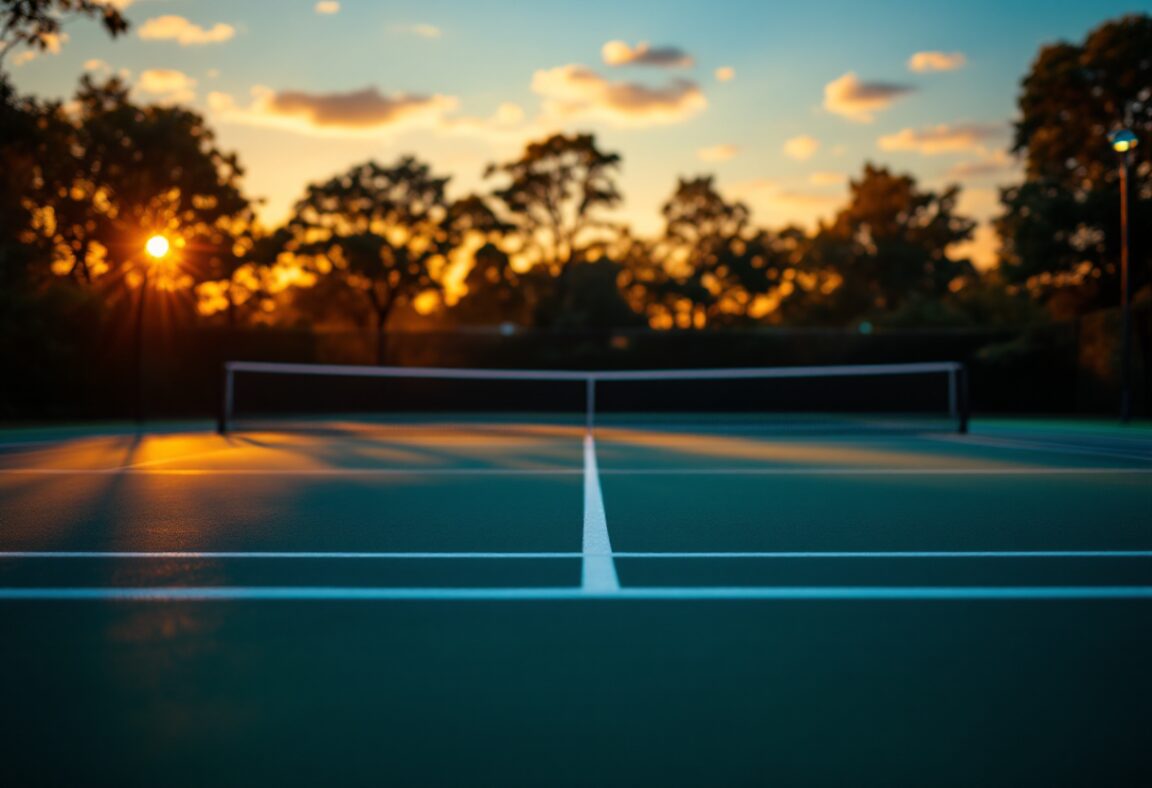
point(157, 246)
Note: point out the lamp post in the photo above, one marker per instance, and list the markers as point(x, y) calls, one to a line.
point(1124, 141)
point(157, 249)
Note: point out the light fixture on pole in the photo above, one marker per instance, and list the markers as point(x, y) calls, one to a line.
point(1123, 141)
point(157, 248)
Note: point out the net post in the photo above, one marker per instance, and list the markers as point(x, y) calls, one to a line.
point(963, 399)
point(225, 415)
point(590, 403)
point(953, 399)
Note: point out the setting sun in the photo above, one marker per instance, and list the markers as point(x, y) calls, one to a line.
point(157, 246)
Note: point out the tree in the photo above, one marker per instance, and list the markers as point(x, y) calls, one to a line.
point(710, 266)
point(1060, 227)
point(36, 23)
point(889, 247)
point(553, 197)
point(381, 233)
point(126, 171)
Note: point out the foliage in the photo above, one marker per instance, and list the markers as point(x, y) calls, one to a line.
point(384, 233)
point(890, 246)
point(35, 23)
point(1060, 227)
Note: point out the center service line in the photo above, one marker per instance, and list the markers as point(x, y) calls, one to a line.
point(599, 576)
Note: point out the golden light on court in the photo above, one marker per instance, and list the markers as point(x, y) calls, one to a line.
point(157, 247)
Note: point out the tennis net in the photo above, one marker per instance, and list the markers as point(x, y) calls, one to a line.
point(836, 399)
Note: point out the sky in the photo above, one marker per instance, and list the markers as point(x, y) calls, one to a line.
point(782, 102)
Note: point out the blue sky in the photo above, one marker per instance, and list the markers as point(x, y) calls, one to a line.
point(816, 88)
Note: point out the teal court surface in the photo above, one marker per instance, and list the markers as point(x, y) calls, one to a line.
point(532, 604)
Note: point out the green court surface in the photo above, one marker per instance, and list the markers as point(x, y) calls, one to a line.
point(533, 605)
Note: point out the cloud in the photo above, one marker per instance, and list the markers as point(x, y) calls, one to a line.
point(179, 29)
point(98, 65)
point(168, 85)
point(358, 113)
point(423, 30)
point(827, 178)
point(994, 165)
point(52, 44)
point(618, 53)
point(725, 74)
point(576, 90)
point(327, 7)
point(801, 148)
point(936, 61)
point(935, 140)
point(718, 152)
point(858, 101)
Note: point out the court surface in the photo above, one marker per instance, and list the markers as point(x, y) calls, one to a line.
point(534, 605)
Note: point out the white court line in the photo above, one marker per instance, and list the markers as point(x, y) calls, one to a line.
point(783, 593)
point(346, 555)
point(1016, 443)
point(1009, 471)
point(599, 573)
point(750, 471)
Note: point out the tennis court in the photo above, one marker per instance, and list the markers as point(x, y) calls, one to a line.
point(532, 602)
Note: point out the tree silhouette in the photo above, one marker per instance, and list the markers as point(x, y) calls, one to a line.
point(126, 171)
point(710, 264)
point(553, 196)
point(1061, 226)
point(34, 23)
point(383, 233)
point(889, 247)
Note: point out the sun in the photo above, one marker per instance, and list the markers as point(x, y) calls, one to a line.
point(157, 246)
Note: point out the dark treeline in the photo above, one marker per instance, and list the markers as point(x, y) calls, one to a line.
point(382, 246)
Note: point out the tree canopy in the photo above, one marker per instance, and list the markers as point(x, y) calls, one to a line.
point(1060, 227)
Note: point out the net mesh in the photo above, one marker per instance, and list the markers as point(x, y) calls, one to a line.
point(886, 398)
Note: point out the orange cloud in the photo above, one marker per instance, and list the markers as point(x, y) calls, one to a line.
point(575, 90)
point(186, 33)
point(619, 53)
point(935, 140)
point(827, 178)
point(327, 7)
point(859, 101)
point(718, 152)
point(936, 61)
point(366, 112)
point(169, 85)
point(801, 148)
point(996, 164)
point(422, 30)
point(52, 44)
point(725, 74)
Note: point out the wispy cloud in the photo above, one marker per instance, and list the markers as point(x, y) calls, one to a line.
point(936, 61)
point(186, 33)
point(423, 30)
point(725, 74)
point(327, 7)
point(718, 152)
point(577, 91)
point(358, 113)
point(944, 138)
point(851, 98)
point(619, 53)
point(827, 178)
point(996, 164)
point(801, 148)
point(167, 85)
point(52, 44)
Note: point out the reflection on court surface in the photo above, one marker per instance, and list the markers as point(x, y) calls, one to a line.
point(444, 603)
